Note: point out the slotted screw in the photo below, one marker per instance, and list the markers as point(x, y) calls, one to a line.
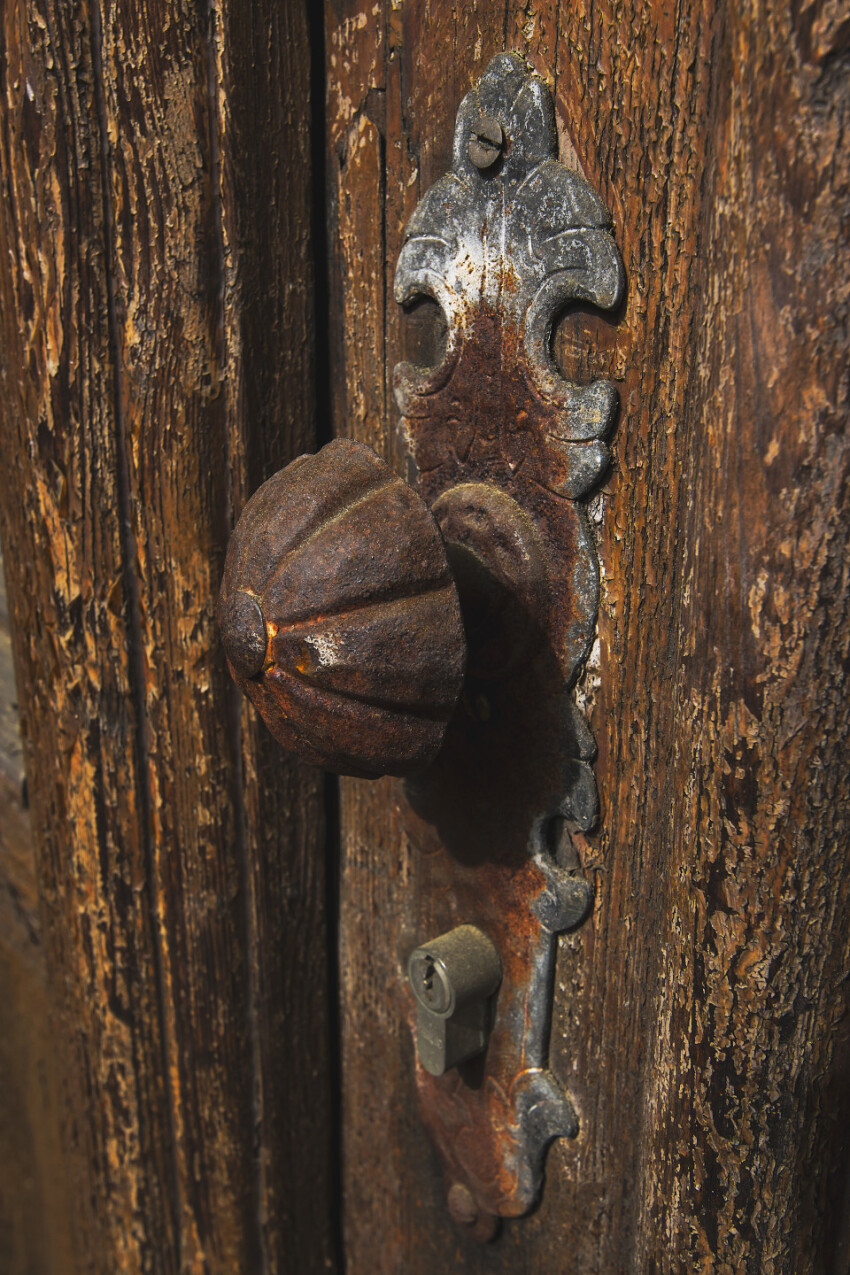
point(486, 142)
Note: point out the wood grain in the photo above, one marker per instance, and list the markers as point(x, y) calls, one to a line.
point(263, 60)
point(701, 1014)
point(34, 1219)
point(11, 749)
point(66, 576)
point(180, 863)
point(35, 1224)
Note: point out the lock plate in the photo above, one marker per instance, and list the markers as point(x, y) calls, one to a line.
point(503, 242)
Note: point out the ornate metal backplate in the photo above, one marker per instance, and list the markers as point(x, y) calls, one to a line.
point(504, 451)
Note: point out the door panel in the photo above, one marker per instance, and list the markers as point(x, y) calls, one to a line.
point(169, 324)
point(696, 1012)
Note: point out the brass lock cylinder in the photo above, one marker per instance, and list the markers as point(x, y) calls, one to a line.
point(453, 979)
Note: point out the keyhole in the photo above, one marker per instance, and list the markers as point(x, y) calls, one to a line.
point(424, 333)
point(583, 344)
point(430, 983)
point(428, 980)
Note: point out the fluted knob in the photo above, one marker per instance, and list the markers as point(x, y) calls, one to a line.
point(340, 617)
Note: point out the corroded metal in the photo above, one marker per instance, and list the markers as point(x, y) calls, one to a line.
point(499, 564)
point(504, 449)
point(343, 613)
point(339, 615)
point(485, 142)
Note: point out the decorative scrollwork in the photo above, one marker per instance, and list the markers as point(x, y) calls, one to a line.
point(503, 242)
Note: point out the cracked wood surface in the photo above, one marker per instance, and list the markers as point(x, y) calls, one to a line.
point(157, 365)
point(701, 1017)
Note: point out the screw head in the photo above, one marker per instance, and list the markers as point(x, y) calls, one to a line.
point(462, 1206)
point(486, 141)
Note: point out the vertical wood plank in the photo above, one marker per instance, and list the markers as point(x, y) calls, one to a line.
point(35, 1224)
point(34, 1220)
point(61, 511)
point(759, 1071)
point(168, 340)
point(700, 1013)
point(266, 155)
point(157, 286)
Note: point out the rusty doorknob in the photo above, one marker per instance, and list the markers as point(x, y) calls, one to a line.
point(340, 616)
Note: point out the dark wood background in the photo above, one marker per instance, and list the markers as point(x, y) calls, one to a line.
point(197, 245)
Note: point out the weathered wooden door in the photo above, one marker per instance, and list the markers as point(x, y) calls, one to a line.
point(202, 210)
